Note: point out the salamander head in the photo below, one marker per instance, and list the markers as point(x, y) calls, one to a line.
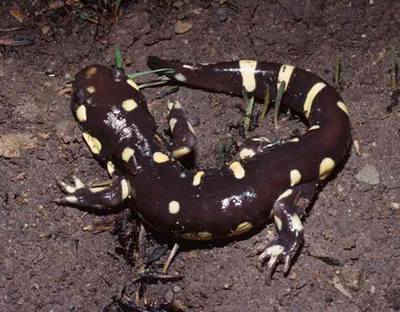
point(111, 112)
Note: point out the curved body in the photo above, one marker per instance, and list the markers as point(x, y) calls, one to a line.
point(210, 203)
point(222, 202)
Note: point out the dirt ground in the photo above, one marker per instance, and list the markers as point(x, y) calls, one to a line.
point(351, 257)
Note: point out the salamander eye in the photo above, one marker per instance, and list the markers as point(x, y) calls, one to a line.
point(79, 96)
point(118, 74)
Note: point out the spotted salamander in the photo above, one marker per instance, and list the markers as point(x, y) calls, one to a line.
point(265, 181)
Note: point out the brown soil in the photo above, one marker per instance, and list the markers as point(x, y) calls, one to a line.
point(351, 256)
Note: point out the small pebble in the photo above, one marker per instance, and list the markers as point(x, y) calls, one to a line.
point(293, 275)
point(50, 70)
point(11, 145)
point(352, 278)
point(55, 5)
point(45, 30)
point(227, 286)
point(222, 14)
point(332, 212)
point(395, 205)
point(369, 174)
point(177, 4)
point(356, 145)
point(182, 26)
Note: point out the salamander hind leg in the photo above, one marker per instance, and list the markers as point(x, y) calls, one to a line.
point(102, 197)
point(287, 216)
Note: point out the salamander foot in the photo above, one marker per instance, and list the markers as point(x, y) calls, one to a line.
point(281, 249)
point(100, 197)
point(290, 233)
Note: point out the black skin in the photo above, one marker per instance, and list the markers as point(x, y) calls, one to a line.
point(183, 139)
point(225, 202)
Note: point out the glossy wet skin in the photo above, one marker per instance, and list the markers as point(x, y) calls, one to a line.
point(207, 204)
point(98, 88)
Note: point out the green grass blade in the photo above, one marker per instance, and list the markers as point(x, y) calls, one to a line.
point(118, 57)
point(249, 110)
point(279, 95)
point(265, 107)
point(148, 72)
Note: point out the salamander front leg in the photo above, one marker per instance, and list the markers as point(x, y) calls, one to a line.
point(183, 136)
point(290, 232)
point(102, 197)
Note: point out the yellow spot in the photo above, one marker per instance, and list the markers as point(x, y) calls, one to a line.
point(78, 183)
point(97, 189)
point(177, 105)
point(237, 169)
point(285, 194)
point(278, 222)
point(198, 177)
point(71, 189)
point(180, 152)
point(325, 168)
point(180, 77)
point(343, 107)
point(91, 72)
point(172, 123)
point(295, 177)
point(92, 142)
point(132, 84)
point(81, 113)
point(285, 73)
point(174, 207)
point(71, 199)
point(311, 96)
point(296, 223)
point(91, 89)
point(129, 105)
point(294, 140)
point(204, 235)
point(174, 105)
point(127, 153)
point(315, 127)
point(197, 236)
point(275, 251)
point(160, 158)
point(246, 153)
point(247, 69)
point(125, 189)
point(241, 228)
point(110, 167)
